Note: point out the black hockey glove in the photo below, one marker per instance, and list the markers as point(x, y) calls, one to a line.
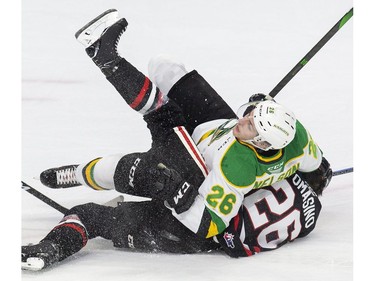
point(178, 193)
point(260, 97)
point(254, 98)
point(320, 178)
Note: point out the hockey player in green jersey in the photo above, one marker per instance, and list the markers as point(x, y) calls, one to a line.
point(204, 158)
point(266, 146)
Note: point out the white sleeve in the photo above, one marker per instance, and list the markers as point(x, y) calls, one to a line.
point(312, 156)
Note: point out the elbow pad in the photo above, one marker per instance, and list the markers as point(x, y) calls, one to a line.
point(319, 178)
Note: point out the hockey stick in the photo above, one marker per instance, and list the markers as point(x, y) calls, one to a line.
point(43, 198)
point(311, 53)
point(58, 207)
point(343, 171)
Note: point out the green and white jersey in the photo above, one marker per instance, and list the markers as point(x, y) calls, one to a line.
point(235, 168)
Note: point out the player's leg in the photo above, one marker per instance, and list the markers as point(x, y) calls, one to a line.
point(198, 100)
point(97, 174)
point(136, 89)
point(136, 174)
point(100, 38)
point(165, 71)
point(148, 226)
point(79, 224)
point(131, 173)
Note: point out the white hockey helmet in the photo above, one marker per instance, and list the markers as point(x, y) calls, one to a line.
point(275, 124)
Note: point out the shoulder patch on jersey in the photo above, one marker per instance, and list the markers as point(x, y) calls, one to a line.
point(237, 165)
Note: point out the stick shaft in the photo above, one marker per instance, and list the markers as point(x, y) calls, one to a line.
point(43, 198)
point(343, 171)
point(311, 53)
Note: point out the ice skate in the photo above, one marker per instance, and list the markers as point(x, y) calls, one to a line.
point(100, 38)
point(92, 31)
point(61, 177)
point(39, 256)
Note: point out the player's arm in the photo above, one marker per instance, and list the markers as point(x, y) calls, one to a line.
point(206, 212)
point(315, 169)
point(320, 178)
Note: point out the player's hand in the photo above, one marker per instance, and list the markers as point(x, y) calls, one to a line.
point(178, 193)
point(253, 100)
point(320, 178)
point(260, 97)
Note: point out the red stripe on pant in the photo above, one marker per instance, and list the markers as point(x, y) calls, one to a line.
point(192, 146)
point(141, 94)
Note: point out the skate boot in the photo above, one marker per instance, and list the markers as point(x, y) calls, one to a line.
point(100, 38)
point(39, 256)
point(61, 177)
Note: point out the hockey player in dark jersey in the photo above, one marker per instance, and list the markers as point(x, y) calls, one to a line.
point(204, 194)
point(268, 218)
point(271, 217)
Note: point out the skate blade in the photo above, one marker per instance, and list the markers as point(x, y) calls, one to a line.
point(33, 264)
point(91, 32)
point(114, 202)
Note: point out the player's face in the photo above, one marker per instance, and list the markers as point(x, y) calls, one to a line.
point(245, 131)
point(245, 128)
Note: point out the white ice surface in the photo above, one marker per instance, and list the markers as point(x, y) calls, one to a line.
point(71, 114)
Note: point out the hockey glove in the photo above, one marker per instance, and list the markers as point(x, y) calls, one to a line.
point(178, 193)
point(254, 98)
point(260, 97)
point(320, 178)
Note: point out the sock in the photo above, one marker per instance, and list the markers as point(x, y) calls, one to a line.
point(98, 173)
point(137, 89)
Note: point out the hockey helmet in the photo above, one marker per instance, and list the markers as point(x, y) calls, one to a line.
point(275, 124)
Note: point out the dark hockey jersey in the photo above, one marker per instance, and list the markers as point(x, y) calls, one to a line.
point(270, 217)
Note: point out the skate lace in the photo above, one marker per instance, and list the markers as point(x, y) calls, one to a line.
point(66, 176)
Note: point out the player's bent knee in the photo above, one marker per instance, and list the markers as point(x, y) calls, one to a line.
point(165, 71)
